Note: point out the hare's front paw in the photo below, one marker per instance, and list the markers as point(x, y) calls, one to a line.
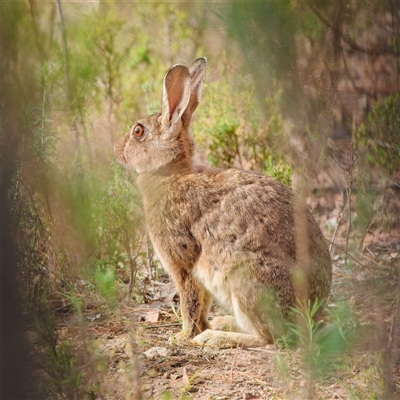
point(226, 340)
point(184, 335)
point(180, 337)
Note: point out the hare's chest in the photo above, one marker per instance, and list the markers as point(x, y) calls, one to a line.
point(174, 244)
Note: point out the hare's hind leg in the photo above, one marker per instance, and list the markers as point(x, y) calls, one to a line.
point(225, 323)
point(261, 294)
point(224, 340)
point(227, 331)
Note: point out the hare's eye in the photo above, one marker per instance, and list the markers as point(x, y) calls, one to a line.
point(138, 131)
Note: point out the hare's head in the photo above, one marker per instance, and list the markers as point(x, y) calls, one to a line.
point(163, 138)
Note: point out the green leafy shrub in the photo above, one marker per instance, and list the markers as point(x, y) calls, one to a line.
point(232, 129)
point(380, 134)
point(321, 342)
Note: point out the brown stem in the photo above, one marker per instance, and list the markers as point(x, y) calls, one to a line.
point(64, 49)
point(349, 191)
point(346, 247)
point(149, 256)
point(132, 265)
point(340, 217)
point(32, 9)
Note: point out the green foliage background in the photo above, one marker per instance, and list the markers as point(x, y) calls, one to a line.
point(76, 75)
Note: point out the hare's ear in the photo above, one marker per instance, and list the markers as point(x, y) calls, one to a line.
point(197, 74)
point(176, 95)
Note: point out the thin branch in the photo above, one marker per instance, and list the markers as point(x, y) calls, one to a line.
point(155, 326)
point(32, 6)
point(254, 379)
point(341, 214)
point(366, 230)
point(350, 180)
point(132, 265)
point(394, 183)
point(353, 84)
point(349, 255)
point(349, 192)
point(149, 255)
point(347, 40)
point(380, 266)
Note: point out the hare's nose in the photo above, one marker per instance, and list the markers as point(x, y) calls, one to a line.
point(119, 147)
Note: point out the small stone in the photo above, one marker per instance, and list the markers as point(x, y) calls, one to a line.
point(157, 352)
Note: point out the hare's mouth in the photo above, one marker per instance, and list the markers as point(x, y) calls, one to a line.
point(119, 147)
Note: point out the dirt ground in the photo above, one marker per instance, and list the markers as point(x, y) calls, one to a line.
point(136, 352)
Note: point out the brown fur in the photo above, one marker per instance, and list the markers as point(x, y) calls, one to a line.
point(230, 232)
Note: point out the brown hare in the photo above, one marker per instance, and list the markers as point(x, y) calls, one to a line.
point(226, 233)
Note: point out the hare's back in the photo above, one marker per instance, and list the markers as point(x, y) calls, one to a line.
point(249, 216)
point(252, 212)
point(247, 211)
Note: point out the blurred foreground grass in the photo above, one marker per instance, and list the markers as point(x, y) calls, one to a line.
point(76, 75)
